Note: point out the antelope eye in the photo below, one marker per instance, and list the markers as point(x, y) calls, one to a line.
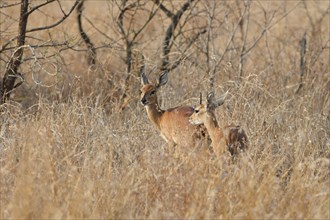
point(196, 110)
point(152, 92)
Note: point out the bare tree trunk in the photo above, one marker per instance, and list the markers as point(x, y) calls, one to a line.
point(303, 43)
point(169, 34)
point(11, 72)
point(91, 49)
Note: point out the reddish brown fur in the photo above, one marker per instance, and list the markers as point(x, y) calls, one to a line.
point(236, 139)
point(173, 124)
point(231, 137)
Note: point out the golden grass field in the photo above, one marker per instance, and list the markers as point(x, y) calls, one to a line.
point(67, 151)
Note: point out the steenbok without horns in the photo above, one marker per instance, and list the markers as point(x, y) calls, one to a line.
point(173, 124)
point(231, 137)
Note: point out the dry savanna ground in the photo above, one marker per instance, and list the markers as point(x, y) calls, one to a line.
point(69, 150)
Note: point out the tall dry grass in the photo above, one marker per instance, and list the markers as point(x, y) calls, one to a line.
point(66, 152)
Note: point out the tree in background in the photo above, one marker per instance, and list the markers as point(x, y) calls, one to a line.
point(16, 58)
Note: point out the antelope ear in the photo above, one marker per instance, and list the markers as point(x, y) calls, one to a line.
point(221, 100)
point(144, 79)
point(210, 97)
point(212, 103)
point(163, 78)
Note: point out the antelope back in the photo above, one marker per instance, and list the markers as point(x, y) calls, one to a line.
point(236, 139)
point(173, 124)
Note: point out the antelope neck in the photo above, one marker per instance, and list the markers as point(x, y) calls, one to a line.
point(213, 128)
point(154, 113)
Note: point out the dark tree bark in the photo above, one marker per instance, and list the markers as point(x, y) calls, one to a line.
point(303, 44)
point(91, 49)
point(169, 34)
point(11, 72)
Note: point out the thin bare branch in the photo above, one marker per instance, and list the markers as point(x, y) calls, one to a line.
point(5, 5)
point(60, 6)
point(245, 51)
point(169, 34)
point(164, 9)
point(4, 47)
point(191, 42)
point(28, 13)
point(56, 23)
point(121, 17)
point(127, 34)
point(39, 6)
point(8, 16)
point(212, 74)
point(99, 30)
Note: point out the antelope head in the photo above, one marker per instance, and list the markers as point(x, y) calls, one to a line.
point(149, 91)
point(203, 112)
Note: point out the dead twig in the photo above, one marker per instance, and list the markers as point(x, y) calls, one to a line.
point(66, 15)
point(303, 44)
point(164, 9)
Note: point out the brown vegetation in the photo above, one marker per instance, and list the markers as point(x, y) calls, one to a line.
point(68, 149)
